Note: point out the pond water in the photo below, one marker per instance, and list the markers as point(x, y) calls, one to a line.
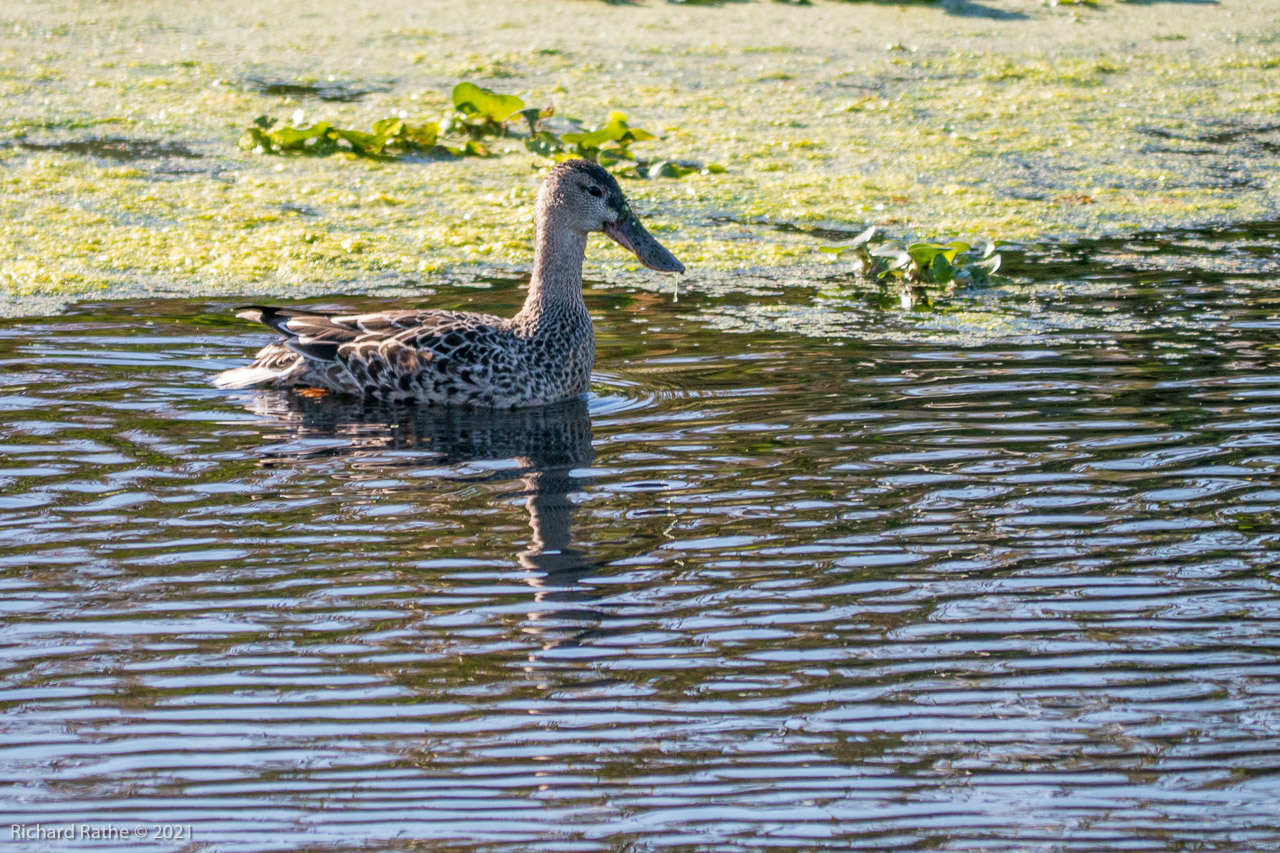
point(858, 578)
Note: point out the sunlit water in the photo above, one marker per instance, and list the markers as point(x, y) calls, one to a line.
point(1004, 575)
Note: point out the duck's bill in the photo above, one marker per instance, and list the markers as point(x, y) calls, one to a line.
point(628, 233)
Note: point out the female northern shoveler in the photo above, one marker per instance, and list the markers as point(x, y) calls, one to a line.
point(542, 355)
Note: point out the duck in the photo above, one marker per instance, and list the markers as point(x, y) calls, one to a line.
point(542, 355)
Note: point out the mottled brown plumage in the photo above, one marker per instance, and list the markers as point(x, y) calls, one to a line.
point(542, 355)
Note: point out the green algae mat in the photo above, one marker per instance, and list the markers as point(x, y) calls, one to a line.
point(966, 120)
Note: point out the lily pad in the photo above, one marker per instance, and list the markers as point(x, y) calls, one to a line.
point(615, 130)
point(472, 100)
point(321, 139)
point(920, 263)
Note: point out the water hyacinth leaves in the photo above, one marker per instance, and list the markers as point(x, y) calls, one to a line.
point(266, 137)
point(481, 112)
point(394, 132)
point(678, 169)
point(541, 141)
point(388, 136)
point(472, 100)
point(609, 144)
point(477, 113)
point(859, 251)
point(615, 134)
point(953, 263)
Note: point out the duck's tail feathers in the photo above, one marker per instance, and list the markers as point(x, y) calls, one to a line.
point(311, 334)
point(277, 318)
point(310, 348)
point(247, 377)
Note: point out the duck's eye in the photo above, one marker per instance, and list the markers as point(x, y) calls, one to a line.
point(596, 191)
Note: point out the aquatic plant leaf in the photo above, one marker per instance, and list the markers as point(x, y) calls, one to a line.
point(637, 135)
point(940, 270)
point(544, 143)
point(858, 245)
point(478, 113)
point(670, 169)
point(918, 264)
point(533, 115)
point(607, 144)
point(254, 137)
point(898, 261)
point(988, 266)
point(361, 143)
point(322, 138)
point(612, 156)
point(295, 138)
point(471, 148)
point(923, 253)
point(424, 136)
point(288, 138)
point(890, 249)
point(586, 139)
point(470, 99)
point(615, 130)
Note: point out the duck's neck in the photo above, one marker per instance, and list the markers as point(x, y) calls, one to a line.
point(556, 288)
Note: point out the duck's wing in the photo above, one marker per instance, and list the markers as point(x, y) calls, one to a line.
point(453, 353)
point(322, 335)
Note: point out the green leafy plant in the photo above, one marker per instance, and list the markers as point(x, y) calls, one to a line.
point(955, 263)
point(608, 144)
point(478, 113)
point(541, 141)
point(481, 112)
point(388, 136)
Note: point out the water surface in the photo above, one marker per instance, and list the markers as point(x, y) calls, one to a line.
point(1003, 574)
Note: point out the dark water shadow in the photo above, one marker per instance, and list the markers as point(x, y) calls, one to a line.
point(546, 445)
point(969, 9)
point(959, 8)
point(340, 91)
point(1105, 257)
point(1212, 137)
point(120, 149)
point(163, 160)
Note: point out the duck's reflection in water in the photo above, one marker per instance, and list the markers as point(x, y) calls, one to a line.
point(541, 447)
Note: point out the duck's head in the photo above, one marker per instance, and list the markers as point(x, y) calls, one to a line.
point(581, 195)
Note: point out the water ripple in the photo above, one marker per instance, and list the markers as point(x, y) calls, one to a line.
point(757, 591)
